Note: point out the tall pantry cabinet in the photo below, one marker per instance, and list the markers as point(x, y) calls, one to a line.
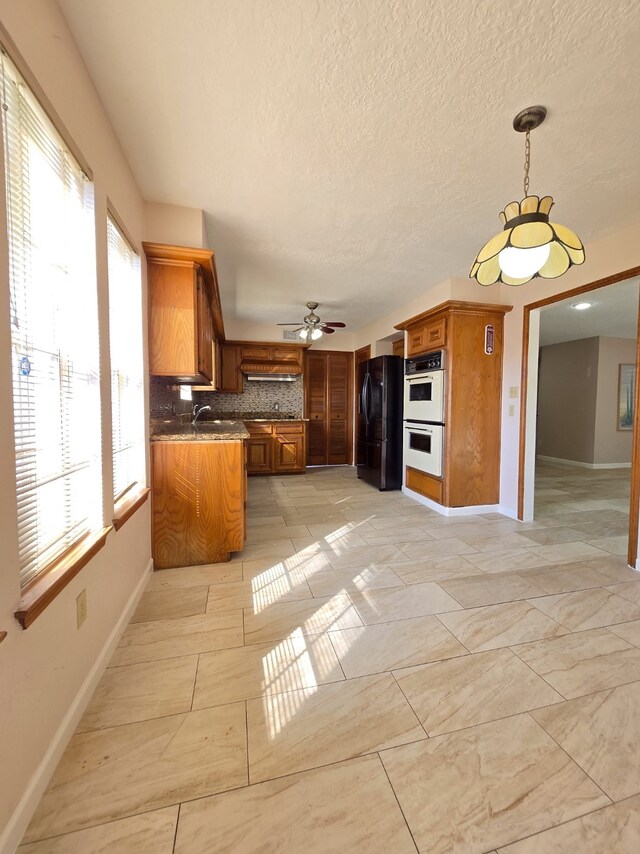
point(328, 385)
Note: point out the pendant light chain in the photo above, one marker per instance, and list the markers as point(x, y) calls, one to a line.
point(527, 162)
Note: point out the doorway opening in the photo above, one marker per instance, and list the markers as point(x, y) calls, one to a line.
point(579, 468)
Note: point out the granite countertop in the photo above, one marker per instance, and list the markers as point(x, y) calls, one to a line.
point(171, 430)
point(262, 416)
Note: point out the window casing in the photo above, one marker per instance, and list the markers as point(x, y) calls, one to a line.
point(127, 367)
point(54, 333)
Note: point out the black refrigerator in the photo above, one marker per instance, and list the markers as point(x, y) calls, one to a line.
point(380, 398)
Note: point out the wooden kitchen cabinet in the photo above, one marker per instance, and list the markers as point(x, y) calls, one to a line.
point(264, 358)
point(328, 382)
point(231, 379)
point(184, 312)
point(198, 501)
point(473, 399)
point(422, 337)
point(276, 447)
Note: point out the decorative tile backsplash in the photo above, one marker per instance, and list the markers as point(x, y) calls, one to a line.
point(164, 398)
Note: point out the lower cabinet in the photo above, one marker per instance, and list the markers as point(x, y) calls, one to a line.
point(276, 447)
point(198, 501)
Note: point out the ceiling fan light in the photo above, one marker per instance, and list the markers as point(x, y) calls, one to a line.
point(315, 334)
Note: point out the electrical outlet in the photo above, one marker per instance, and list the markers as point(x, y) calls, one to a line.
point(512, 410)
point(81, 607)
point(513, 391)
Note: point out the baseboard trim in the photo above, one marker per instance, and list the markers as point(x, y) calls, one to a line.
point(562, 462)
point(472, 510)
point(19, 821)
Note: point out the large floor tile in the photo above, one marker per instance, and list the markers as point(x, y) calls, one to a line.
point(463, 692)
point(194, 576)
point(259, 593)
point(601, 732)
point(435, 569)
point(346, 807)
point(584, 662)
point(365, 556)
point(138, 692)
point(484, 787)
point(308, 616)
point(149, 833)
point(252, 671)
point(629, 590)
point(317, 726)
point(387, 646)
point(552, 536)
point(490, 589)
point(628, 631)
point(615, 545)
point(170, 604)
point(610, 830)
point(174, 638)
point(417, 600)
point(508, 560)
point(434, 548)
point(113, 773)
point(566, 578)
point(568, 552)
point(331, 581)
point(588, 609)
point(493, 626)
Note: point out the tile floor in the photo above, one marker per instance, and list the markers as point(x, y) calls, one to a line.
point(369, 676)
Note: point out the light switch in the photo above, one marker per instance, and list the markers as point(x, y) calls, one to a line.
point(513, 391)
point(512, 410)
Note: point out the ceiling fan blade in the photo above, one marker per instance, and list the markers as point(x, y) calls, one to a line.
point(292, 323)
point(328, 329)
point(336, 325)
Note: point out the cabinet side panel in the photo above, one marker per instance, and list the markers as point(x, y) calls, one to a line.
point(474, 381)
point(197, 502)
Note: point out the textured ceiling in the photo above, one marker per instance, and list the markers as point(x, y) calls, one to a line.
point(357, 152)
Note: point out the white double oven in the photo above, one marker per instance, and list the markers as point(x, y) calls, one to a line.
point(424, 413)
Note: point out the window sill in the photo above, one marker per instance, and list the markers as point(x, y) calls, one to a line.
point(40, 592)
point(128, 504)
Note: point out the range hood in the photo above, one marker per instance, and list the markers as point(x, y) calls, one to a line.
point(272, 378)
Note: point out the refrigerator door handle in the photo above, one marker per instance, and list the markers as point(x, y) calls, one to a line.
point(367, 411)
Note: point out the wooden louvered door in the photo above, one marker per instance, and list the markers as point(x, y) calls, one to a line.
point(328, 380)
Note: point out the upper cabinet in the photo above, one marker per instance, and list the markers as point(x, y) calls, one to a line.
point(185, 321)
point(266, 358)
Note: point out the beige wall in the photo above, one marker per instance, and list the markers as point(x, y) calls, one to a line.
point(175, 225)
point(567, 392)
point(610, 444)
point(42, 669)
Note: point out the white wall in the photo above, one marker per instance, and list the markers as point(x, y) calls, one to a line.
point(43, 668)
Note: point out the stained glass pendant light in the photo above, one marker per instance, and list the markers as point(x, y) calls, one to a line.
point(529, 245)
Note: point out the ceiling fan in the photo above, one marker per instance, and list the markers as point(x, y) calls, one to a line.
point(312, 326)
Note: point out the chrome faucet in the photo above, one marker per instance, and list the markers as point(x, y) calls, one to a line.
point(197, 411)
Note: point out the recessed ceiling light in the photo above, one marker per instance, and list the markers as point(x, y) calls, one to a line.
point(580, 306)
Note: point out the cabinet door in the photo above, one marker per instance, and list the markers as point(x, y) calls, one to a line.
point(415, 341)
point(256, 354)
point(230, 373)
point(288, 452)
point(172, 320)
point(316, 408)
point(287, 354)
point(436, 334)
point(339, 371)
point(259, 454)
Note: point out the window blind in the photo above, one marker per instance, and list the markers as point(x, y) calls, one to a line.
point(54, 332)
point(127, 390)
